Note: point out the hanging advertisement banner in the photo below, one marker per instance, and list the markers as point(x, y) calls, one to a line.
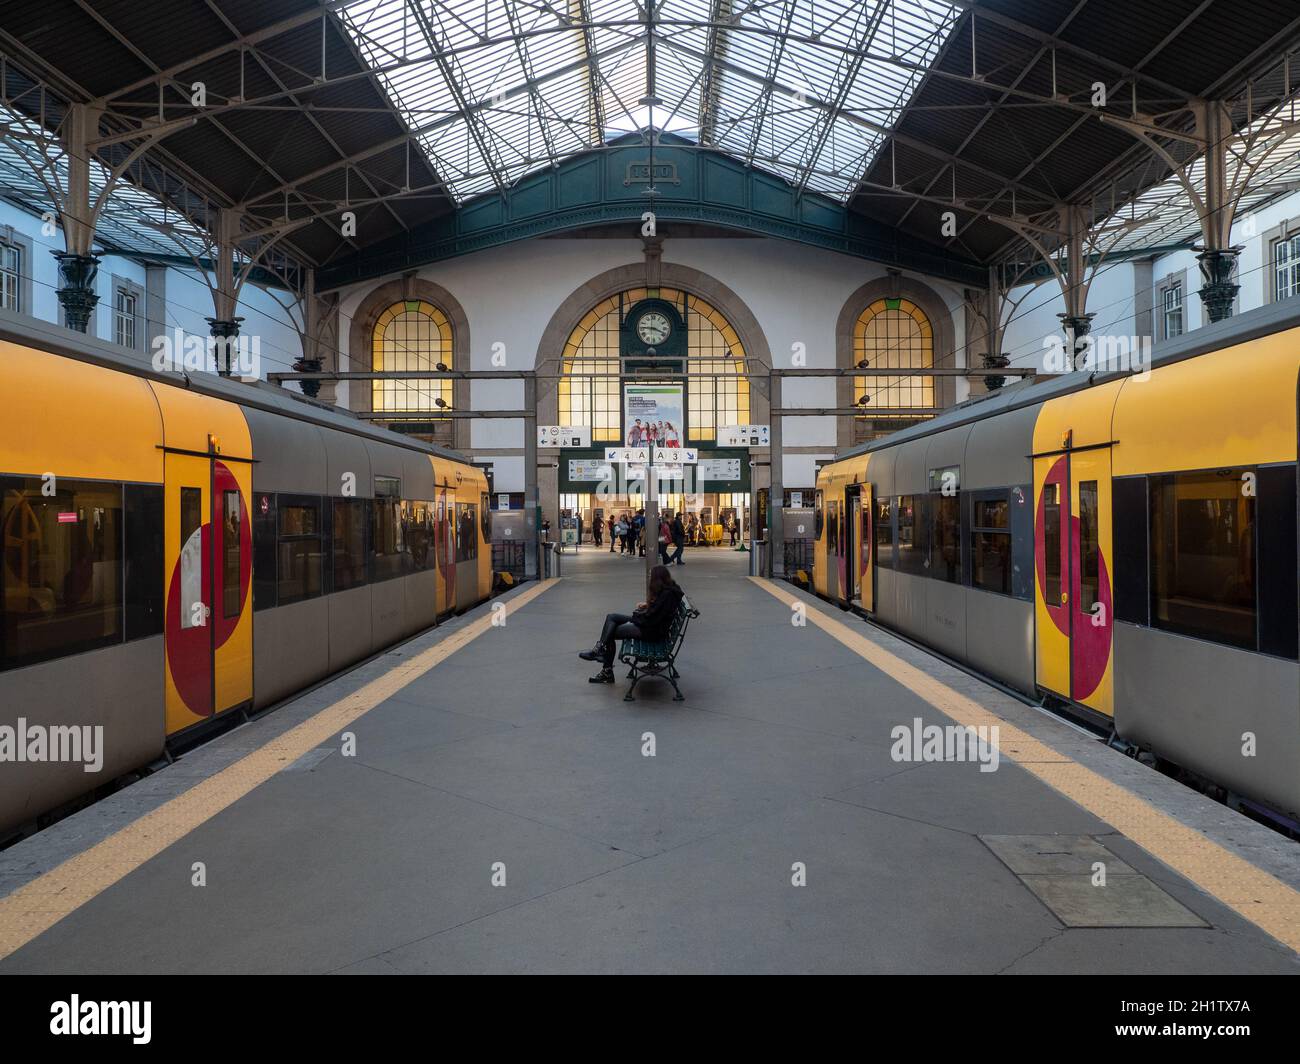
point(654, 415)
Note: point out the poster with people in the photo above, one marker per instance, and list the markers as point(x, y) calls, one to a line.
point(654, 415)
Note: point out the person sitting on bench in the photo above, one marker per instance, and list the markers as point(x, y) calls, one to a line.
point(649, 621)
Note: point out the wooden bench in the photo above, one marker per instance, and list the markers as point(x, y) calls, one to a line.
point(658, 658)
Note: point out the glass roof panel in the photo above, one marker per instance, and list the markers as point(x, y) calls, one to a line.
point(496, 88)
point(131, 219)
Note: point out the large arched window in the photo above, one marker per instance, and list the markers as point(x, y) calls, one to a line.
point(411, 335)
point(893, 333)
point(717, 390)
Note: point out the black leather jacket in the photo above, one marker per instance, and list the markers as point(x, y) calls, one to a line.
point(654, 620)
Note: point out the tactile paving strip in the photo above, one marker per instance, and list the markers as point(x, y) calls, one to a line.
point(1261, 898)
point(39, 905)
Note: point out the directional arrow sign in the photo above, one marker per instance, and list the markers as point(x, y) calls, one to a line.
point(744, 435)
point(676, 455)
point(628, 455)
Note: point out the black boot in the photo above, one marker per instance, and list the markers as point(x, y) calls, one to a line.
point(606, 675)
point(596, 653)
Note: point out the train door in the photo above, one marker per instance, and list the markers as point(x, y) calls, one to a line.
point(466, 550)
point(1072, 534)
point(852, 534)
point(834, 557)
point(209, 553)
point(865, 534)
point(445, 547)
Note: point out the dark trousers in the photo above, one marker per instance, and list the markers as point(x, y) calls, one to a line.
point(617, 626)
point(677, 554)
point(663, 552)
point(612, 540)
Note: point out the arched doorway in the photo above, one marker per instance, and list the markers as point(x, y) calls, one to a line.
point(411, 335)
point(594, 386)
point(402, 326)
point(891, 334)
point(892, 322)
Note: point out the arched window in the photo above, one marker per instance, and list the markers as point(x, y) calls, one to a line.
point(411, 335)
point(717, 390)
point(893, 333)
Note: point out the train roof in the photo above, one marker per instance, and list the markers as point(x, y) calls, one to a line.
point(261, 395)
point(1264, 321)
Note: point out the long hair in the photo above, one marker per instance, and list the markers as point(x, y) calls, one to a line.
point(660, 579)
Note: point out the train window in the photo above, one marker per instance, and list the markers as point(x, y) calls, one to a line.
point(391, 557)
point(819, 516)
point(1052, 544)
point(231, 519)
point(299, 551)
point(990, 543)
point(417, 526)
point(264, 528)
point(1089, 548)
point(350, 526)
point(485, 516)
point(884, 534)
point(909, 556)
point(945, 481)
point(62, 567)
point(466, 534)
point(144, 527)
point(1277, 558)
point(1129, 504)
point(945, 538)
point(444, 530)
point(832, 527)
point(1203, 556)
point(194, 610)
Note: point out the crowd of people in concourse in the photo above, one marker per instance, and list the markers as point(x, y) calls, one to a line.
point(627, 533)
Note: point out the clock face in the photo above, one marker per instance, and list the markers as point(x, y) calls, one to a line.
point(653, 328)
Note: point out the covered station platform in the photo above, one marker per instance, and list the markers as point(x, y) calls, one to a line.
point(467, 802)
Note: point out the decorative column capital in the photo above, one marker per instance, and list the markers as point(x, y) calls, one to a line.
point(224, 330)
point(1219, 291)
point(77, 292)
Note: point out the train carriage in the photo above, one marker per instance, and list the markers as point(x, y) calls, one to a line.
point(178, 549)
point(1122, 545)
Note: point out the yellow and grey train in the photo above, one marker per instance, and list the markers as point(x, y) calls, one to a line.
point(178, 549)
point(1122, 544)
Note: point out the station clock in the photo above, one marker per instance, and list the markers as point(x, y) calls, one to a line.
point(653, 330)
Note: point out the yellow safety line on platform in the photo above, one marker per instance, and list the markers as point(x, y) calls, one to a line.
point(40, 904)
point(1261, 898)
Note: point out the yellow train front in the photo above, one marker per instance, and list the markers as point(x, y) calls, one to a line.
point(1121, 544)
point(176, 551)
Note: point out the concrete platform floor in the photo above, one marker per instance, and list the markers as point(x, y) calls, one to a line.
point(499, 815)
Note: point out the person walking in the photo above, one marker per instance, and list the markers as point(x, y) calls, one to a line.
point(640, 533)
point(731, 528)
point(598, 531)
point(650, 620)
point(679, 539)
point(613, 524)
point(665, 538)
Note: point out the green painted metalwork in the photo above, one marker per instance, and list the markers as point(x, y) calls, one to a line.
point(690, 184)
